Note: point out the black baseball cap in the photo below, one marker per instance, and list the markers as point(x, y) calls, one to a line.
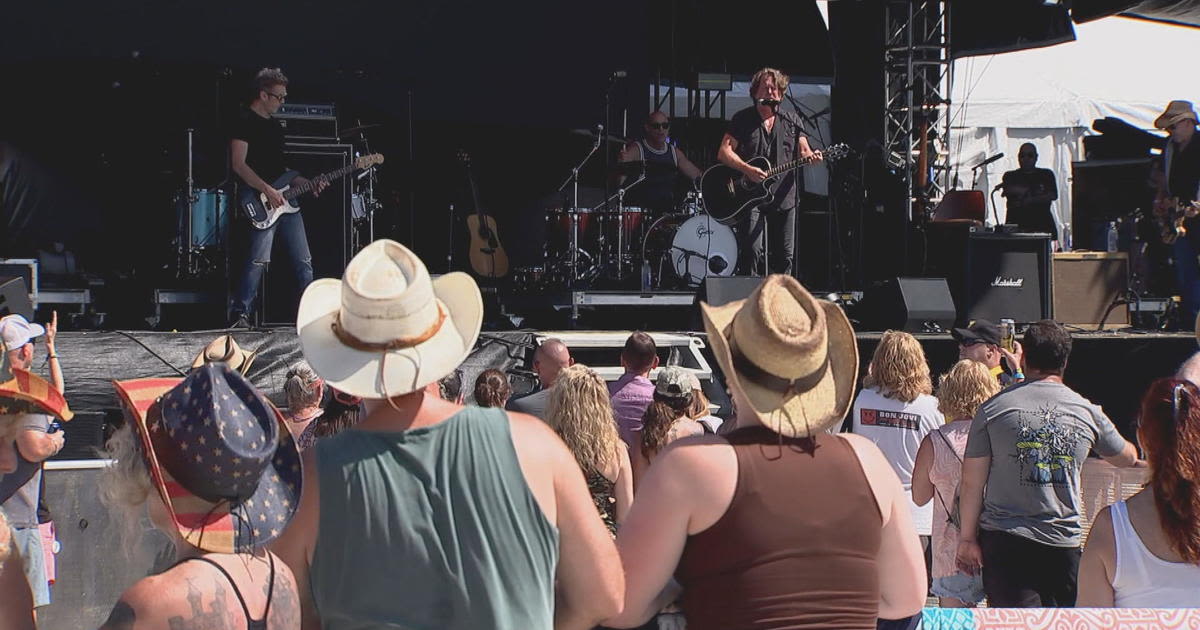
point(978, 330)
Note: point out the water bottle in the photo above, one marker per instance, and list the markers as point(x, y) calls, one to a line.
point(1065, 241)
point(1111, 236)
point(645, 276)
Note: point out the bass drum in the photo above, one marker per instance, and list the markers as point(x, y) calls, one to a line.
point(683, 250)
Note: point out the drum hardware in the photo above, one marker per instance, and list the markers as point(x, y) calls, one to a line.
point(203, 217)
point(573, 181)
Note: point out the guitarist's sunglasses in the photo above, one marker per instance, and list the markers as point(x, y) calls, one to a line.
point(663, 126)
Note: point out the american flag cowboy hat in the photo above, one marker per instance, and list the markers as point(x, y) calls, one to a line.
point(219, 454)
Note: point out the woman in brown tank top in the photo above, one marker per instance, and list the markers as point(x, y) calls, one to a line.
point(777, 524)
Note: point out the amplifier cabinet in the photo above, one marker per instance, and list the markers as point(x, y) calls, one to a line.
point(1087, 284)
point(1008, 276)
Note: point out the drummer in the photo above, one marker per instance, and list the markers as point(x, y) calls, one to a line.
point(663, 162)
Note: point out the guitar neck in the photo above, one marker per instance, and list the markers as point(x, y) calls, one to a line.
point(789, 166)
point(310, 185)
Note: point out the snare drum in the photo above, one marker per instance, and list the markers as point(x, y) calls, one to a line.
point(559, 222)
point(684, 250)
point(210, 217)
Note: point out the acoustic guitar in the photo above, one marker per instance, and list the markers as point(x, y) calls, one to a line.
point(487, 255)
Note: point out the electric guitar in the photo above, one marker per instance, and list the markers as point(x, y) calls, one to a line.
point(728, 192)
point(1171, 213)
point(487, 255)
point(263, 216)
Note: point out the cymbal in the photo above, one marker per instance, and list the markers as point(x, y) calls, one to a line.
point(353, 130)
point(592, 134)
point(637, 166)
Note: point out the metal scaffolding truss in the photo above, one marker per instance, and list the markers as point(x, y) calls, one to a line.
point(917, 83)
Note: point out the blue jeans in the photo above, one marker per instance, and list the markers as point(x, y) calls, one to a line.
point(290, 229)
point(1187, 274)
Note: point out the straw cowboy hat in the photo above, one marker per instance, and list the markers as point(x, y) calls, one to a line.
point(219, 454)
point(1175, 112)
point(793, 357)
point(226, 350)
point(385, 329)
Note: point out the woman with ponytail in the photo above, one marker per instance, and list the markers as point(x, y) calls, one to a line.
point(1144, 552)
point(666, 419)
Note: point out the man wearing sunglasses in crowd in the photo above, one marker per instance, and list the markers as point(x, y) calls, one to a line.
point(256, 153)
point(981, 342)
point(664, 164)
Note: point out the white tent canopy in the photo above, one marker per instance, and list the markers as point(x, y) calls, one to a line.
point(1118, 67)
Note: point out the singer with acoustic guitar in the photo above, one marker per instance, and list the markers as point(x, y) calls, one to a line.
point(764, 130)
point(256, 151)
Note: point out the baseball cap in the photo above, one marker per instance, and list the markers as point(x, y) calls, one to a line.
point(16, 331)
point(673, 382)
point(978, 330)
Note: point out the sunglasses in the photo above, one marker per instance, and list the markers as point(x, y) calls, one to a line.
point(663, 126)
point(971, 342)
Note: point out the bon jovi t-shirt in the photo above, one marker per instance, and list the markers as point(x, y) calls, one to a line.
point(1038, 434)
point(897, 428)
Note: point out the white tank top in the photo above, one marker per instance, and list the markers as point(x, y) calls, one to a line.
point(1143, 580)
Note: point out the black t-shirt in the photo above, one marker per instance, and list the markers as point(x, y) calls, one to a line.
point(1033, 217)
point(265, 139)
point(754, 140)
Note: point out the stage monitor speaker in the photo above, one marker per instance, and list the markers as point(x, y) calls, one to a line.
point(1090, 288)
point(718, 290)
point(14, 297)
point(911, 304)
point(1008, 276)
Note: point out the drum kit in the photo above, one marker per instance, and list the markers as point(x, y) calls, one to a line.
point(202, 225)
point(613, 245)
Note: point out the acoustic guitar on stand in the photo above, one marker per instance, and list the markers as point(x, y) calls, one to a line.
point(487, 255)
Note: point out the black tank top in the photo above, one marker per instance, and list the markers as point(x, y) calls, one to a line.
point(251, 624)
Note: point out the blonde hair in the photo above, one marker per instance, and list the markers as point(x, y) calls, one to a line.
point(898, 368)
point(579, 410)
point(124, 485)
point(966, 386)
point(5, 539)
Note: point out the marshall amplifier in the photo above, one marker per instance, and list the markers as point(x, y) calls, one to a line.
point(1008, 275)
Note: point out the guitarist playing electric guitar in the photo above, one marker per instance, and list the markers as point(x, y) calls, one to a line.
point(1181, 185)
point(256, 151)
point(763, 130)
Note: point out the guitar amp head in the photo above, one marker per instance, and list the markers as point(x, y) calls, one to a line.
point(308, 123)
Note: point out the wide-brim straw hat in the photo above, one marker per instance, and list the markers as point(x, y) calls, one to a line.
point(1175, 112)
point(220, 457)
point(386, 329)
point(793, 357)
point(226, 350)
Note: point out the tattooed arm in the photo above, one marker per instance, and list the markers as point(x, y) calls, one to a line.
point(176, 601)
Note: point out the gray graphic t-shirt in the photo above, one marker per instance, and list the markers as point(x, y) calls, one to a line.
point(1038, 435)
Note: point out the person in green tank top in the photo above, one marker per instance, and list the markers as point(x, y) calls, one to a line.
point(427, 514)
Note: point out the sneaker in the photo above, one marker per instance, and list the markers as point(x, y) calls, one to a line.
point(241, 322)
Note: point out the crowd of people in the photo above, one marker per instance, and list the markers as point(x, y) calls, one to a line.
point(377, 499)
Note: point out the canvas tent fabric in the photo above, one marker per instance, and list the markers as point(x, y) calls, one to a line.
point(1050, 96)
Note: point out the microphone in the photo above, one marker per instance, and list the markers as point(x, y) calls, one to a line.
point(768, 102)
point(988, 161)
point(998, 187)
point(618, 74)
